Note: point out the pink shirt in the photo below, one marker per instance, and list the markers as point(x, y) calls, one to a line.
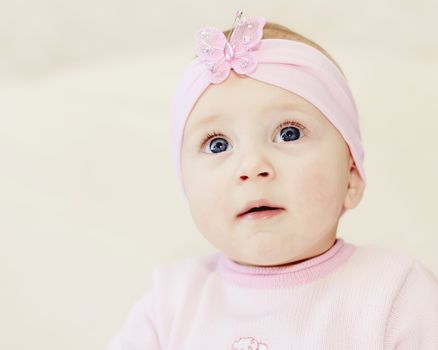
point(350, 297)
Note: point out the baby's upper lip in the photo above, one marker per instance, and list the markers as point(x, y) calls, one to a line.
point(263, 202)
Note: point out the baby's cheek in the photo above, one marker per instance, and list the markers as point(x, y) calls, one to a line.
point(315, 192)
point(207, 203)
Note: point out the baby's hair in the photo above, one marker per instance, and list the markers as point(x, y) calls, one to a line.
point(276, 31)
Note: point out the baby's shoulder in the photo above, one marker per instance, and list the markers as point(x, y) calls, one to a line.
point(380, 260)
point(383, 254)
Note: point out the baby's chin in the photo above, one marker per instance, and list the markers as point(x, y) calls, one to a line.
point(271, 258)
point(265, 248)
point(281, 253)
point(267, 263)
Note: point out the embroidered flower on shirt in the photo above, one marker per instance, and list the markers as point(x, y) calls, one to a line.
point(248, 343)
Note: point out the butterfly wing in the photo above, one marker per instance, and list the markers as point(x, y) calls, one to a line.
point(244, 38)
point(210, 44)
point(210, 47)
point(218, 71)
point(247, 35)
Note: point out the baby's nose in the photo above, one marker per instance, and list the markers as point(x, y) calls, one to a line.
point(261, 174)
point(255, 166)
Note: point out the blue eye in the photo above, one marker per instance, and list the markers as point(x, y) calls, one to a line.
point(290, 130)
point(290, 133)
point(217, 144)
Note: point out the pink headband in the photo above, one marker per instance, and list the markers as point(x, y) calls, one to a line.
point(292, 65)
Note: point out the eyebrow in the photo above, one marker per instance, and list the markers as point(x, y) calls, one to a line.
point(279, 107)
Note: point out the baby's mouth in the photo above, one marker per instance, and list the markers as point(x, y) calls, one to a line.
point(260, 213)
point(262, 208)
point(259, 207)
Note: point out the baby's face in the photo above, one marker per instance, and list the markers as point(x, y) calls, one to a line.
point(305, 170)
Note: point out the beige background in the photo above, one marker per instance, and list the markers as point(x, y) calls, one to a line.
point(89, 202)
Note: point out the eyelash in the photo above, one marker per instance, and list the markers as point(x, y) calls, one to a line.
point(213, 134)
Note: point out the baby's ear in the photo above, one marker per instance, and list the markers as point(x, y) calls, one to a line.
point(355, 187)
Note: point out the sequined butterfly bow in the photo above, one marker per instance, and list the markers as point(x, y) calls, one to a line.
point(220, 55)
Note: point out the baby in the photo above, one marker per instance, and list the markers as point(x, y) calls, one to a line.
point(268, 152)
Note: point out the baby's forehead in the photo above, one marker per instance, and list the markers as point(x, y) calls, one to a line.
point(256, 113)
point(238, 98)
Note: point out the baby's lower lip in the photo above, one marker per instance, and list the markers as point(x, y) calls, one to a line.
point(261, 215)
